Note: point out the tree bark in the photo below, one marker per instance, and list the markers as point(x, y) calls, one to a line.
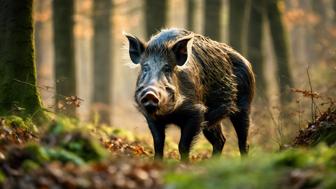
point(19, 93)
point(102, 12)
point(191, 15)
point(155, 15)
point(281, 49)
point(254, 46)
point(64, 66)
point(237, 20)
point(212, 19)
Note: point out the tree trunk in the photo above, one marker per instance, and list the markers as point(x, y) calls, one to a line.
point(212, 20)
point(64, 65)
point(19, 93)
point(191, 15)
point(155, 15)
point(334, 8)
point(254, 46)
point(40, 19)
point(237, 20)
point(319, 9)
point(281, 49)
point(102, 59)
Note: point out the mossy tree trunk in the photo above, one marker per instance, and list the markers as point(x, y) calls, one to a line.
point(281, 49)
point(212, 19)
point(155, 15)
point(254, 46)
point(191, 15)
point(18, 91)
point(102, 10)
point(237, 20)
point(64, 65)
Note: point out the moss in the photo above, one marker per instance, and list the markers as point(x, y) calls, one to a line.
point(37, 153)
point(85, 147)
point(29, 165)
point(74, 137)
point(330, 182)
point(19, 122)
point(313, 168)
point(2, 177)
point(64, 156)
point(62, 125)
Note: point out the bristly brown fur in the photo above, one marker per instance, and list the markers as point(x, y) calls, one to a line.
point(210, 60)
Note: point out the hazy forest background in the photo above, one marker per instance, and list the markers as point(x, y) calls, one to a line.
point(87, 133)
point(281, 40)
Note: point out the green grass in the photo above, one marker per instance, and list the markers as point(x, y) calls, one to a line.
point(307, 168)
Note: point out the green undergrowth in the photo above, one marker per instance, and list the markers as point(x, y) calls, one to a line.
point(63, 139)
point(18, 122)
point(293, 168)
point(98, 147)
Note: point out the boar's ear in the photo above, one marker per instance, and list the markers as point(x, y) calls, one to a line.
point(136, 48)
point(180, 50)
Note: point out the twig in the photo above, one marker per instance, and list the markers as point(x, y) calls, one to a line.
point(277, 124)
point(314, 107)
point(300, 110)
point(44, 88)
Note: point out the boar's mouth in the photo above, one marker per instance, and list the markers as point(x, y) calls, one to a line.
point(156, 101)
point(150, 101)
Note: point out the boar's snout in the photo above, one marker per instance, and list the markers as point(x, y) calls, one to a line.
point(150, 101)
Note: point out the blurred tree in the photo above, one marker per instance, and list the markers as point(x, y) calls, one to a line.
point(237, 20)
point(191, 15)
point(281, 48)
point(319, 9)
point(17, 67)
point(254, 45)
point(334, 7)
point(102, 11)
point(41, 17)
point(155, 15)
point(318, 31)
point(212, 19)
point(64, 66)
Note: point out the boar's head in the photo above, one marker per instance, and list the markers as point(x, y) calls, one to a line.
point(157, 89)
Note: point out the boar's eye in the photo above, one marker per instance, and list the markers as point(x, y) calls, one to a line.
point(145, 68)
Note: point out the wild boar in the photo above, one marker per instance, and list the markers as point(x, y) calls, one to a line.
point(193, 82)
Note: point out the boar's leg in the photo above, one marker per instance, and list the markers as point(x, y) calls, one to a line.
point(215, 136)
point(241, 122)
point(158, 134)
point(188, 133)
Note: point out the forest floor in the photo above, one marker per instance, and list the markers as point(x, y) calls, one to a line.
point(67, 153)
